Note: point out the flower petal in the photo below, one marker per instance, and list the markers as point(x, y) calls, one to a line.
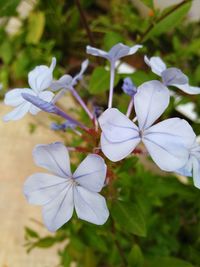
point(192, 90)
point(40, 188)
point(196, 172)
point(79, 76)
point(168, 143)
point(96, 52)
point(59, 211)
point(120, 50)
point(91, 173)
point(41, 77)
point(14, 97)
point(18, 113)
point(53, 157)
point(64, 82)
point(151, 99)
point(156, 64)
point(90, 206)
point(172, 76)
point(117, 127)
point(118, 150)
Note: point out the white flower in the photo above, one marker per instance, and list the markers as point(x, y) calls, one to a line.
point(116, 52)
point(167, 142)
point(39, 79)
point(67, 81)
point(192, 167)
point(171, 76)
point(63, 191)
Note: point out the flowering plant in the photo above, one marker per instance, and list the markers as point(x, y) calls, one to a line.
point(109, 137)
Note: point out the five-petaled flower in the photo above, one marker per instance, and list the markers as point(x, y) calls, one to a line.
point(39, 80)
point(171, 76)
point(115, 53)
point(167, 142)
point(63, 191)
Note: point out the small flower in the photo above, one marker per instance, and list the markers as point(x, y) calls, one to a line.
point(171, 76)
point(128, 87)
point(192, 167)
point(39, 79)
point(167, 142)
point(115, 53)
point(67, 81)
point(63, 191)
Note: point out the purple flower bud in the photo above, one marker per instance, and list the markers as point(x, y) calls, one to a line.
point(98, 111)
point(62, 126)
point(128, 87)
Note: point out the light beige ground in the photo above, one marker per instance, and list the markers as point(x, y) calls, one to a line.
point(16, 164)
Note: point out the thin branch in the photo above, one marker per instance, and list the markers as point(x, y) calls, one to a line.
point(161, 18)
point(85, 23)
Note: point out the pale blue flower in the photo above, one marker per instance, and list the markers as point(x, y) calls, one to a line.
point(167, 142)
point(171, 76)
point(192, 167)
point(62, 192)
point(39, 80)
point(115, 53)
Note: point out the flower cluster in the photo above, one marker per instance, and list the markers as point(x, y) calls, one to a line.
point(171, 143)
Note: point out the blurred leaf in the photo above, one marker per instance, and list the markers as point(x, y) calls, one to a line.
point(140, 77)
point(31, 233)
point(20, 65)
point(129, 217)
point(169, 20)
point(45, 242)
point(135, 257)
point(8, 7)
point(6, 51)
point(36, 25)
point(89, 259)
point(167, 262)
point(111, 39)
point(99, 81)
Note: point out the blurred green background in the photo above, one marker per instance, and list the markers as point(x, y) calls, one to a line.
point(158, 221)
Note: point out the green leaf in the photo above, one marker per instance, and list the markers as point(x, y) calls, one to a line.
point(167, 262)
point(6, 52)
point(148, 3)
point(168, 22)
point(45, 242)
point(111, 39)
point(31, 233)
point(8, 8)
point(135, 257)
point(36, 25)
point(140, 77)
point(129, 217)
point(99, 81)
